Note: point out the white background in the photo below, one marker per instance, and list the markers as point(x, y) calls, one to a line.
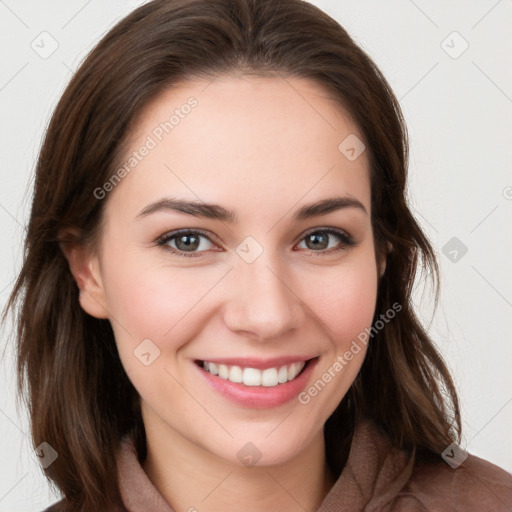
point(459, 115)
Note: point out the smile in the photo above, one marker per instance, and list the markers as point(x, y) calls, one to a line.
point(257, 383)
point(254, 377)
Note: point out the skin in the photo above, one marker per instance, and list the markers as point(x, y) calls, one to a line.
point(264, 147)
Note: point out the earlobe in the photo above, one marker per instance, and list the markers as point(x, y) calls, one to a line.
point(84, 267)
point(383, 261)
point(382, 266)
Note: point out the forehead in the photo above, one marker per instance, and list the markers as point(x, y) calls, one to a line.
point(245, 140)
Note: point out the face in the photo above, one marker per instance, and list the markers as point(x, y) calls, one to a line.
point(261, 281)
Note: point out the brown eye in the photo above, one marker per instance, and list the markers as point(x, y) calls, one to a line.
point(318, 240)
point(187, 242)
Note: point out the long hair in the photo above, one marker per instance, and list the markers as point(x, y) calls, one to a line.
point(69, 373)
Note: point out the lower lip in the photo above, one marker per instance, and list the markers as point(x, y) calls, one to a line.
point(259, 396)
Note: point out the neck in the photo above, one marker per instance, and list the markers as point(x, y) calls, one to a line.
point(192, 479)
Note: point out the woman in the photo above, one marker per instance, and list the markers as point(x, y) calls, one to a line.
point(216, 306)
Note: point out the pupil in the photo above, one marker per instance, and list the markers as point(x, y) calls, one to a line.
point(185, 240)
point(318, 238)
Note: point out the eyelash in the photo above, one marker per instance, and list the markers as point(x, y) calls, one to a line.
point(346, 241)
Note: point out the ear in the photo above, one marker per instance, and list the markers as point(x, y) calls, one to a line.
point(85, 268)
point(383, 259)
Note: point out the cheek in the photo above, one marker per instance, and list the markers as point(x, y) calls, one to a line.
point(153, 300)
point(344, 298)
point(344, 303)
point(149, 300)
point(152, 312)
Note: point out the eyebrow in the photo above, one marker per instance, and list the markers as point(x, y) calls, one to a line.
point(217, 212)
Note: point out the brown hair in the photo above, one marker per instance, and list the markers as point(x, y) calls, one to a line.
point(81, 402)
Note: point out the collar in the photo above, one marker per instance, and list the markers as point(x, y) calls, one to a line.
point(373, 475)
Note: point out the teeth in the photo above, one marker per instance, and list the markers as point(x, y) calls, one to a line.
point(254, 377)
point(236, 374)
point(269, 377)
point(223, 371)
point(282, 375)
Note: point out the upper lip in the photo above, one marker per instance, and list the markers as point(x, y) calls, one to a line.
point(258, 363)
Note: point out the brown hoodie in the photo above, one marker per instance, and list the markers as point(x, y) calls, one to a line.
point(376, 478)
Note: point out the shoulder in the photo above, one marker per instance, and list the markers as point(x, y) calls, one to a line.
point(475, 485)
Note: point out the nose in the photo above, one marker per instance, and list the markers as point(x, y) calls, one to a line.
point(262, 301)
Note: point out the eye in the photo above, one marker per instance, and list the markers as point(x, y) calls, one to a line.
point(320, 241)
point(186, 242)
point(193, 242)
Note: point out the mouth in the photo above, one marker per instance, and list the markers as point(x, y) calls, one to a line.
point(255, 383)
point(269, 376)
